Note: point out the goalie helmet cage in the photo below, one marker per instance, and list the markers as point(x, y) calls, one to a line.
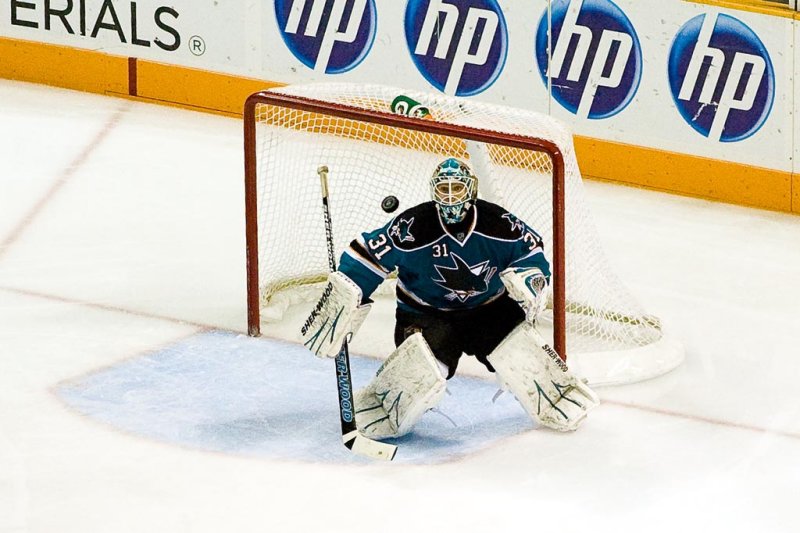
point(380, 141)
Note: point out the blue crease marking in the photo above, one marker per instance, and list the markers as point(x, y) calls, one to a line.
point(229, 393)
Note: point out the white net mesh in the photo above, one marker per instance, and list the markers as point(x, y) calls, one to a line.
point(609, 336)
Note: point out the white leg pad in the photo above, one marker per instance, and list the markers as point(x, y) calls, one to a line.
point(408, 384)
point(548, 392)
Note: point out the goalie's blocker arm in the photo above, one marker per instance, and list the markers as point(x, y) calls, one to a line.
point(337, 315)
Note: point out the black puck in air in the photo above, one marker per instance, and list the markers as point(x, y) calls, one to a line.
point(390, 204)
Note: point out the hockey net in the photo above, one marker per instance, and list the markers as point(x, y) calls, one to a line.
point(379, 141)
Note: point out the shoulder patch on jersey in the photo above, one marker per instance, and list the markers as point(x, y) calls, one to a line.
point(416, 227)
point(516, 224)
point(401, 230)
point(496, 222)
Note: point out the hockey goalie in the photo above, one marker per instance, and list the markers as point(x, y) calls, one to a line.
point(472, 279)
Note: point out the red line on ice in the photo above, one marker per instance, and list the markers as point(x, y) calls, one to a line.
point(63, 178)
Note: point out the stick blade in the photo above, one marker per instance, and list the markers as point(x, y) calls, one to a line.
point(361, 445)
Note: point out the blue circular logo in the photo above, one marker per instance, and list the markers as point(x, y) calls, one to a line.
point(596, 62)
point(721, 77)
point(328, 36)
point(459, 47)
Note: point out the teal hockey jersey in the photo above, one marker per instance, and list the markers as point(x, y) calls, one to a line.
point(443, 267)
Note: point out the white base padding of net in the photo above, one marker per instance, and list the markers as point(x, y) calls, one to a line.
point(618, 367)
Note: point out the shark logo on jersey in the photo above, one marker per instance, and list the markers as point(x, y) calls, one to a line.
point(516, 224)
point(462, 280)
point(402, 230)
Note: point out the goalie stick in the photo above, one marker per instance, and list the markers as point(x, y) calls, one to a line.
point(352, 439)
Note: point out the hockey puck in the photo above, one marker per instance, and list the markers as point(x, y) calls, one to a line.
point(390, 204)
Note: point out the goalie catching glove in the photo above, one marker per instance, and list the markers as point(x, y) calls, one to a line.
point(527, 287)
point(336, 317)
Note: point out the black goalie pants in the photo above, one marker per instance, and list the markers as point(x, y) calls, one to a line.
point(474, 332)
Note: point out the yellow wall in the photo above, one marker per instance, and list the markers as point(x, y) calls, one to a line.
point(672, 172)
point(202, 90)
point(796, 193)
point(773, 9)
point(63, 67)
point(687, 175)
point(86, 70)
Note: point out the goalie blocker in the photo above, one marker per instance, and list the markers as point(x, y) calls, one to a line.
point(337, 316)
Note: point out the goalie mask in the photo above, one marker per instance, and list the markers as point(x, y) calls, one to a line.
point(453, 188)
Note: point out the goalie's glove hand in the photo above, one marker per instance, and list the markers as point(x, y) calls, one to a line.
point(337, 315)
point(528, 287)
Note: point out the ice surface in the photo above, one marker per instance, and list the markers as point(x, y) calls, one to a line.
point(122, 238)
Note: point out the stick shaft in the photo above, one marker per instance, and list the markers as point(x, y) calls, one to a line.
point(343, 377)
point(323, 181)
point(352, 439)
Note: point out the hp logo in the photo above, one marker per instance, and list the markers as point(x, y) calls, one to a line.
point(596, 63)
point(328, 36)
point(459, 46)
point(721, 77)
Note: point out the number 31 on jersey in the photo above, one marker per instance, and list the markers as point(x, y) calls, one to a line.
point(379, 246)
